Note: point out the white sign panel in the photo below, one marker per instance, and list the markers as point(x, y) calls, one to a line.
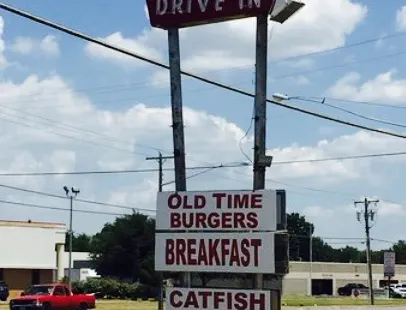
point(215, 252)
point(219, 299)
point(389, 259)
point(217, 210)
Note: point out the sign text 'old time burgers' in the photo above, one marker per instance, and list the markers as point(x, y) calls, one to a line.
point(219, 210)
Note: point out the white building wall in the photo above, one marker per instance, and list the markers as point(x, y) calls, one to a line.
point(75, 256)
point(29, 245)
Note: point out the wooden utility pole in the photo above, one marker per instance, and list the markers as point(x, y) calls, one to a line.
point(368, 217)
point(160, 160)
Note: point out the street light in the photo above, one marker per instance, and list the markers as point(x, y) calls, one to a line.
point(72, 193)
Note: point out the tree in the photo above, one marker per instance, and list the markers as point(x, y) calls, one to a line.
point(80, 243)
point(125, 249)
point(299, 237)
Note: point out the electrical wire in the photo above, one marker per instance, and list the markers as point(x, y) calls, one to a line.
point(208, 168)
point(377, 120)
point(368, 103)
point(76, 199)
point(194, 76)
point(31, 205)
point(147, 170)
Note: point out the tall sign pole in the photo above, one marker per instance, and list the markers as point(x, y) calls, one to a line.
point(260, 112)
point(177, 119)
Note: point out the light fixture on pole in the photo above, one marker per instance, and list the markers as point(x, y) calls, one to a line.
point(72, 193)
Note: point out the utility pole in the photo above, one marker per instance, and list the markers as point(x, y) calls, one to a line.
point(369, 216)
point(160, 160)
point(311, 259)
point(261, 161)
point(70, 194)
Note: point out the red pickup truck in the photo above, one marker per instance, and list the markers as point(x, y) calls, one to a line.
point(52, 297)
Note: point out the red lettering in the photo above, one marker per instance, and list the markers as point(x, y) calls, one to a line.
point(213, 253)
point(169, 252)
point(256, 201)
point(181, 252)
point(225, 250)
point(205, 297)
point(213, 220)
point(241, 201)
point(256, 243)
point(201, 220)
point(234, 257)
point(200, 202)
point(245, 258)
point(174, 201)
point(218, 197)
point(191, 300)
point(172, 301)
point(218, 298)
point(239, 220)
point(260, 301)
point(241, 301)
point(203, 258)
point(252, 220)
point(191, 250)
point(186, 204)
point(174, 220)
point(226, 220)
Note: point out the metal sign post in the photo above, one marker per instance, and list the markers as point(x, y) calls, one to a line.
point(177, 119)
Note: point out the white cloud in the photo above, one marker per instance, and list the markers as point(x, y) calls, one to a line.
point(138, 46)
point(120, 140)
point(322, 24)
point(385, 87)
point(401, 19)
point(26, 45)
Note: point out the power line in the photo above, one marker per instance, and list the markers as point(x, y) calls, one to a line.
point(31, 205)
point(368, 103)
point(77, 199)
point(208, 167)
point(147, 170)
point(161, 65)
point(323, 102)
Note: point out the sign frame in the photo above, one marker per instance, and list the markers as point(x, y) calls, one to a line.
point(209, 210)
point(216, 302)
point(165, 14)
point(261, 245)
point(389, 263)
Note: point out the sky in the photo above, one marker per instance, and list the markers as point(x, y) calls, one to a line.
point(69, 105)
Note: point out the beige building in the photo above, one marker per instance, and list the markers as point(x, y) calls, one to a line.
point(315, 278)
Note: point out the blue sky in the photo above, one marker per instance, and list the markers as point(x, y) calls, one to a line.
point(77, 84)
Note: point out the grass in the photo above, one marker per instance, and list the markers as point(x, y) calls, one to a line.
point(297, 301)
point(287, 301)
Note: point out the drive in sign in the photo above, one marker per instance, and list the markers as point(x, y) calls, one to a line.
point(215, 252)
point(217, 210)
point(221, 299)
point(168, 14)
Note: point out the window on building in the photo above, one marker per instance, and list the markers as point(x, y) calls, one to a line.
point(35, 277)
point(1, 274)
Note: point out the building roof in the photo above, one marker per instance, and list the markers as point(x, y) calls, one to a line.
point(30, 223)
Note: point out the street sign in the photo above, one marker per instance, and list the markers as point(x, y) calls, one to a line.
point(222, 299)
point(389, 260)
point(217, 210)
point(215, 252)
point(167, 14)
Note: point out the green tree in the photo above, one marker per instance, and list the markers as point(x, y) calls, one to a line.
point(299, 237)
point(80, 242)
point(125, 249)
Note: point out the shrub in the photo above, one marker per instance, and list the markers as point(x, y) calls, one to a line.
point(113, 289)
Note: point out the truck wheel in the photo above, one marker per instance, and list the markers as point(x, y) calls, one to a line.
point(83, 306)
point(46, 307)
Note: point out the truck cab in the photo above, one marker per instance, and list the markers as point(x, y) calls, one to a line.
point(56, 296)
